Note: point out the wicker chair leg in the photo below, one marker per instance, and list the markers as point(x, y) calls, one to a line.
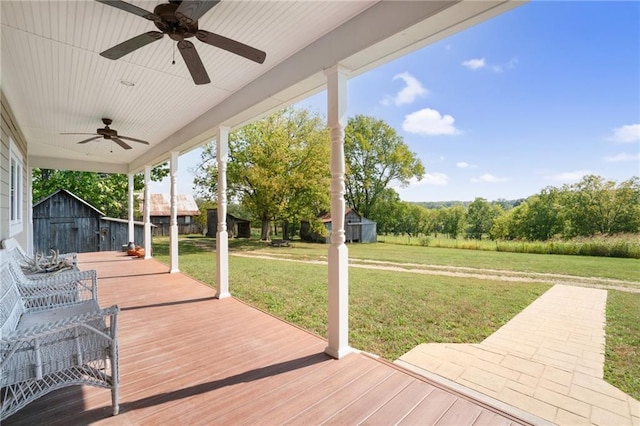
point(115, 373)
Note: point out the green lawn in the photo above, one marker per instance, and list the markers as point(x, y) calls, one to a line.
point(622, 366)
point(391, 312)
point(585, 266)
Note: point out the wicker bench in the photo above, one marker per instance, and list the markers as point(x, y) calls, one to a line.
point(53, 334)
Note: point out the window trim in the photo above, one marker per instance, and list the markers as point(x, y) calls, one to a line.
point(16, 189)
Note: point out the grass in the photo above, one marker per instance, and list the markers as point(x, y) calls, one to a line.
point(620, 245)
point(391, 312)
point(585, 266)
point(622, 366)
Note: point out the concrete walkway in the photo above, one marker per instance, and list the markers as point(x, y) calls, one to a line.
point(548, 361)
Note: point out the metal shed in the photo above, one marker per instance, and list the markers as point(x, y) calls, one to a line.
point(358, 229)
point(67, 223)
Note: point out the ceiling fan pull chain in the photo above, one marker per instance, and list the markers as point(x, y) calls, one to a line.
point(173, 62)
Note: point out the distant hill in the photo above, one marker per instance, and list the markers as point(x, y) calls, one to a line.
point(506, 204)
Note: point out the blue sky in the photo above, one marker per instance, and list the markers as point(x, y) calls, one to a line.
point(538, 96)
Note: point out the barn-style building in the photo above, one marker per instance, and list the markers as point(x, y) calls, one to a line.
point(160, 213)
point(236, 227)
point(65, 222)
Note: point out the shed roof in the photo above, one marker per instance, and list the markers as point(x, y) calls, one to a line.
point(326, 218)
point(229, 215)
point(135, 222)
point(160, 205)
point(72, 195)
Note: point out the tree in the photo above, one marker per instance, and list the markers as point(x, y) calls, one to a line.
point(452, 220)
point(376, 156)
point(106, 192)
point(278, 168)
point(594, 205)
point(480, 217)
point(385, 211)
point(543, 216)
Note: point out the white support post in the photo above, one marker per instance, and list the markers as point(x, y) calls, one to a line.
point(222, 237)
point(131, 207)
point(338, 327)
point(173, 221)
point(147, 212)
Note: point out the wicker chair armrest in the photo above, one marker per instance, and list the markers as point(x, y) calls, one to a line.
point(52, 328)
point(55, 291)
point(52, 278)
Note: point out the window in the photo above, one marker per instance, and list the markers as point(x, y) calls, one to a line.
point(15, 192)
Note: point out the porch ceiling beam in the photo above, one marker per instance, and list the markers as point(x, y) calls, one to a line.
point(77, 165)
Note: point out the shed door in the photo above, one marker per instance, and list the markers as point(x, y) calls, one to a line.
point(64, 236)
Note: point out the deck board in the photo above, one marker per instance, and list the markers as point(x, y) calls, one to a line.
point(188, 358)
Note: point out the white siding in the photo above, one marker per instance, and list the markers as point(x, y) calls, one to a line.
point(10, 131)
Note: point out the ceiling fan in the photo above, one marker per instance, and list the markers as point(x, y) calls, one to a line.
point(108, 133)
point(179, 20)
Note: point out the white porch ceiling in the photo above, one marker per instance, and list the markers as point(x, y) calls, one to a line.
point(55, 81)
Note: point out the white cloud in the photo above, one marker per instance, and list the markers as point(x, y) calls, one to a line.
point(432, 179)
point(429, 122)
point(623, 156)
point(489, 178)
point(474, 64)
point(412, 89)
point(465, 165)
point(625, 134)
point(568, 177)
point(435, 179)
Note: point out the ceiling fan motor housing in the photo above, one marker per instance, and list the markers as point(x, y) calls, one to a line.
point(107, 132)
point(170, 24)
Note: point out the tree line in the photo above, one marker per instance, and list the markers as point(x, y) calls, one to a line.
point(590, 207)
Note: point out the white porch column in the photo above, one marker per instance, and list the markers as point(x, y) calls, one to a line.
point(173, 222)
point(222, 237)
point(338, 327)
point(147, 213)
point(131, 235)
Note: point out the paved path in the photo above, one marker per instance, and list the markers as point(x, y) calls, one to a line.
point(548, 361)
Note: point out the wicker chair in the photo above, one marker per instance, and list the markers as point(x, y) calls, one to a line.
point(53, 334)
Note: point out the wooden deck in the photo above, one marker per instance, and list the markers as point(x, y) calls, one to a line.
point(187, 358)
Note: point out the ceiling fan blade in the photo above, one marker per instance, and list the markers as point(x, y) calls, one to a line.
point(78, 133)
point(190, 11)
point(231, 46)
point(128, 7)
point(193, 61)
point(120, 142)
point(126, 47)
point(133, 139)
point(90, 139)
